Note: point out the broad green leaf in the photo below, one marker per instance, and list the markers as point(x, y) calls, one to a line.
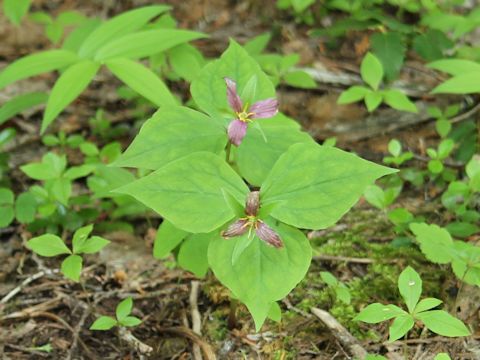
point(7, 213)
point(353, 94)
point(171, 133)
point(6, 196)
point(67, 88)
point(462, 229)
point(442, 323)
point(328, 278)
point(75, 38)
point(61, 190)
point(118, 27)
point(107, 179)
point(410, 287)
point(145, 43)
point(15, 10)
point(36, 64)
point(72, 267)
point(442, 356)
point(398, 100)
point(51, 167)
point(80, 236)
point(395, 147)
point(103, 323)
point(258, 44)
point(427, 304)
point(435, 242)
point(432, 44)
point(124, 308)
point(130, 321)
point(375, 313)
point(343, 294)
point(76, 172)
point(262, 274)
point(275, 312)
point(192, 255)
point(400, 326)
point(455, 66)
point(142, 80)
point(390, 50)
point(209, 89)
point(300, 79)
point(317, 184)
point(92, 245)
point(168, 238)
point(373, 100)
point(465, 83)
point(186, 60)
point(48, 245)
point(371, 70)
point(21, 103)
point(375, 196)
point(25, 208)
point(257, 155)
point(188, 192)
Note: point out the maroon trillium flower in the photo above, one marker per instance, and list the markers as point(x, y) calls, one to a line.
point(244, 113)
point(251, 222)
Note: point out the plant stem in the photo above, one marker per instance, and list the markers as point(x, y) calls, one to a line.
point(227, 152)
point(405, 347)
point(232, 316)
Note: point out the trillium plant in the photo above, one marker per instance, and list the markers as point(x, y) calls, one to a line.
point(237, 192)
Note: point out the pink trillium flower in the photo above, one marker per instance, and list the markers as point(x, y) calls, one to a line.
point(244, 113)
point(251, 222)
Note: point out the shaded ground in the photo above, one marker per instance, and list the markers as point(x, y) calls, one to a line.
point(51, 310)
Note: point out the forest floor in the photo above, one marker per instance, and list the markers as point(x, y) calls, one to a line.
point(47, 309)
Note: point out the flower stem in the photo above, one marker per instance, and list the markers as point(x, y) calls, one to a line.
point(232, 316)
point(227, 151)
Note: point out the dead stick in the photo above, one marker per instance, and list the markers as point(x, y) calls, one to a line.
point(25, 282)
point(129, 338)
point(196, 318)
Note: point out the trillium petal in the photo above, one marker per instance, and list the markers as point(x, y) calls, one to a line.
point(264, 109)
point(232, 95)
point(238, 228)
point(267, 234)
point(253, 203)
point(236, 131)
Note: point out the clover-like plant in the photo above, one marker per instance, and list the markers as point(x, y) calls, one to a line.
point(50, 245)
point(122, 317)
point(410, 288)
point(237, 206)
point(339, 288)
point(372, 73)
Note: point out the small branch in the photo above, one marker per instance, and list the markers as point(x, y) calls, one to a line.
point(129, 338)
point(342, 334)
point(196, 318)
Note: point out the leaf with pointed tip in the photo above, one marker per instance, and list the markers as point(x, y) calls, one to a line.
point(124, 308)
point(48, 245)
point(442, 323)
point(168, 238)
point(72, 267)
point(103, 323)
point(400, 326)
point(375, 313)
point(20, 103)
point(192, 255)
point(410, 287)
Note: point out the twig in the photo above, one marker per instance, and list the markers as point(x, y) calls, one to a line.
point(189, 334)
point(344, 258)
point(129, 338)
point(25, 282)
point(196, 318)
point(28, 350)
point(342, 334)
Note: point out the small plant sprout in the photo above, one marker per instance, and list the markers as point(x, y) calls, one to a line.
point(410, 288)
point(122, 317)
point(50, 245)
point(398, 157)
point(437, 156)
point(340, 289)
point(372, 74)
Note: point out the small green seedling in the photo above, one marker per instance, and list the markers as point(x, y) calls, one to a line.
point(398, 157)
point(437, 156)
point(341, 290)
point(372, 73)
point(123, 318)
point(50, 245)
point(55, 27)
point(410, 287)
point(442, 123)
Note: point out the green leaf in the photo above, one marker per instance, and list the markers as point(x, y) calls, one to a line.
point(20, 103)
point(435, 166)
point(343, 294)
point(192, 255)
point(80, 236)
point(390, 50)
point(75, 38)
point(436, 243)
point(67, 88)
point(76, 172)
point(455, 66)
point(171, 133)
point(398, 100)
point(432, 45)
point(275, 312)
point(15, 10)
point(194, 203)
point(103, 323)
point(460, 229)
point(72, 267)
point(256, 155)
point(442, 356)
point(124, 308)
point(262, 274)
point(186, 60)
point(371, 70)
point(118, 27)
point(395, 147)
point(317, 184)
point(328, 278)
point(400, 326)
point(373, 100)
point(427, 304)
point(465, 83)
point(209, 89)
point(257, 45)
point(142, 80)
point(442, 323)
point(168, 238)
point(130, 321)
point(61, 190)
point(375, 196)
point(375, 313)
point(145, 43)
point(25, 207)
point(48, 245)
point(6, 207)
point(410, 287)
point(51, 167)
point(36, 64)
point(300, 79)
point(92, 245)
point(353, 94)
